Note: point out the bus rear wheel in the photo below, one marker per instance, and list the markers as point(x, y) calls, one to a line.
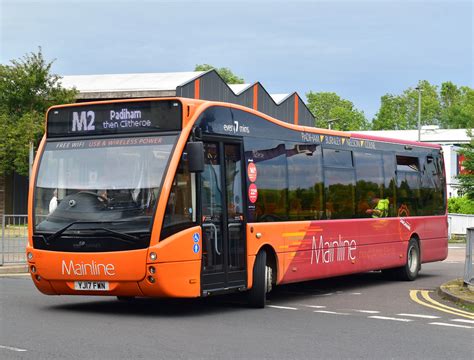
point(409, 271)
point(262, 281)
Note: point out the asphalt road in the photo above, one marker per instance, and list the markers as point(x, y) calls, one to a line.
point(361, 316)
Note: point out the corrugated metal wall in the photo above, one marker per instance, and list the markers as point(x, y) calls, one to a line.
point(212, 87)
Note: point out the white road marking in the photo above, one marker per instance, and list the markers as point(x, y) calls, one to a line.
point(463, 321)
point(420, 316)
point(316, 306)
point(367, 311)
point(456, 247)
point(355, 293)
point(12, 348)
point(452, 325)
point(389, 318)
point(452, 262)
point(327, 294)
point(282, 307)
point(330, 312)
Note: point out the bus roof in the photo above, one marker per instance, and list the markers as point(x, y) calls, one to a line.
point(395, 141)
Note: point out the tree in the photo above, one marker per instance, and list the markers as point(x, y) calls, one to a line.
point(225, 73)
point(457, 106)
point(449, 107)
point(27, 90)
point(327, 106)
point(466, 178)
point(400, 112)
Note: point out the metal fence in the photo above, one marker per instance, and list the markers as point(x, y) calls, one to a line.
point(468, 268)
point(14, 239)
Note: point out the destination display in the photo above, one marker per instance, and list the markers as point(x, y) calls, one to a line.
point(115, 118)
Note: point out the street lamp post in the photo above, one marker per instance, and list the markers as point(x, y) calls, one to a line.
point(330, 121)
point(419, 111)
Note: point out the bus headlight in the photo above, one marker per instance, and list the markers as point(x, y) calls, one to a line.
point(151, 270)
point(30, 256)
point(33, 269)
point(153, 256)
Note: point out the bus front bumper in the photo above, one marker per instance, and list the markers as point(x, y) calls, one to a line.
point(112, 274)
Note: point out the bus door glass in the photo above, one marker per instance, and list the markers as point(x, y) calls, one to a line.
point(235, 216)
point(222, 216)
point(212, 217)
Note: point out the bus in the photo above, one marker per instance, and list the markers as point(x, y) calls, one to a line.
point(177, 197)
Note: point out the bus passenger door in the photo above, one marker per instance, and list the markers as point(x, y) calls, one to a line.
point(223, 262)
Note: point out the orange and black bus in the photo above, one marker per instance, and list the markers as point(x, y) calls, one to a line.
point(174, 197)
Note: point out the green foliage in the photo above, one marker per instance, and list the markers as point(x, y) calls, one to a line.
point(330, 106)
point(450, 107)
point(225, 73)
point(461, 205)
point(466, 180)
point(27, 90)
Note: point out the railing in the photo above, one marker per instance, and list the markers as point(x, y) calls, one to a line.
point(468, 268)
point(14, 239)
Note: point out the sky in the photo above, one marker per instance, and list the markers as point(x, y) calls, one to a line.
point(360, 50)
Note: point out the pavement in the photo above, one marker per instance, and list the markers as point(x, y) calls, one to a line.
point(12, 269)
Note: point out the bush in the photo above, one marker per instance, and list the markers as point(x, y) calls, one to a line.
point(460, 205)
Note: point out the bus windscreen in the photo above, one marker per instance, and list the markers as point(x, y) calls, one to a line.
point(114, 181)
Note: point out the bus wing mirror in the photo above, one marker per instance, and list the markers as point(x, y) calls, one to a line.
point(195, 151)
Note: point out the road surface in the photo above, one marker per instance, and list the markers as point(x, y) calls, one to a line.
point(360, 316)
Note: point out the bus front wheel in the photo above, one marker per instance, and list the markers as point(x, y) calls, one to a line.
point(262, 281)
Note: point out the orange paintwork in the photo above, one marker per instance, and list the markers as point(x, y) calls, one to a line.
point(197, 88)
point(34, 172)
point(255, 97)
point(174, 279)
point(177, 247)
point(55, 265)
point(280, 237)
point(296, 109)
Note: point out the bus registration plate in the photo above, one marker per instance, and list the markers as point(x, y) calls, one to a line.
point(91, 285)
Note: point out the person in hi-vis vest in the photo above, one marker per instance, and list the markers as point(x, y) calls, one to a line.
point(380, 209)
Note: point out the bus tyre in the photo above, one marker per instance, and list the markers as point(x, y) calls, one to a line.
point(262, 281)
point(409, 272)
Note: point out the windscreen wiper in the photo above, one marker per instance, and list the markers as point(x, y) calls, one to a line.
point(123, 236)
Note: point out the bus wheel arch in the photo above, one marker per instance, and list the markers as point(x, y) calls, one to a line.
point(416, 237)
point(271, 262)
point(263, 276)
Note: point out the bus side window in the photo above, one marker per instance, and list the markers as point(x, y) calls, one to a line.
point(369, 185)
point(339, 183)
point(408, 185)
point(305, 181)
point(269, 156)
